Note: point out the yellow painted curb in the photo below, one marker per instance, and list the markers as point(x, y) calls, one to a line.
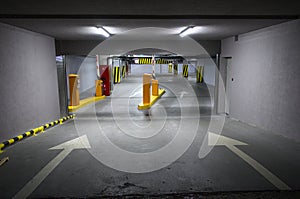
point(32, 132)
point(1, 147)
point(153, 99)
point(85, 102)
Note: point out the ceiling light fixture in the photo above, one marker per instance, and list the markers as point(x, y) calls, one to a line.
point(102, 31)
point(188, 30)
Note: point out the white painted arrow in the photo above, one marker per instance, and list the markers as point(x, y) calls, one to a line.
point(182, 93)
point(219, 140)
point(77, 143)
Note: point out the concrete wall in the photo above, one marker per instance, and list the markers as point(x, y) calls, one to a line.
point(85, 67)
point(266, 86)
point(208, 71)
point(212, 47)
point(78, 47)
point(28, 81)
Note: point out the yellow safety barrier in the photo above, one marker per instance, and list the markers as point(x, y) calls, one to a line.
point(163, 61)
point(170, 68)
point(145, 60)
point(199, 74)
point(148, 99)
point(117, 75)
point(74, 84)
point(146, 88)
point(98, 88)
point(123, 71)
point(185, 70)
point(32, 132)
point(85, 102)
point(158, 61)
point(154, 87)
point(175, 69)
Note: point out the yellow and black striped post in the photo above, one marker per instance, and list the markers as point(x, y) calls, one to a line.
point(145, 60)
point(185, 70)
point(117, 75)
point(33, 132)
point(163, 61)
point(175, 69)
point(199, 74)
point(123, 71)
point(170, 68)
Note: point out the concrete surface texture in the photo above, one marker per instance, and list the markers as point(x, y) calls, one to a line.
point(28, 79)
point(120, 151)
point(266, 86)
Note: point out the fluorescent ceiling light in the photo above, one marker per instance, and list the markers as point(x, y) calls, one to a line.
point(102, 31)
point(187, 31)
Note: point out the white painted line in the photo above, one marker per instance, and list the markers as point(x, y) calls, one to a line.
point(77, 143)
point(219, 140)
point(260, 168)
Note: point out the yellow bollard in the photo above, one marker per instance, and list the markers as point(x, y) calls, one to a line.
point(146, 88)
point(154, 87)
point(170, 68)
point(185, 70)
point(74, 90)
point(117, 75)
point(98, 88)
point(175, 66)
point(198, 74)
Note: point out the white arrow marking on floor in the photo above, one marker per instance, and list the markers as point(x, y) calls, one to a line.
point(135, 94)
point(77, 143)
point(182, 93)
point(219, 140)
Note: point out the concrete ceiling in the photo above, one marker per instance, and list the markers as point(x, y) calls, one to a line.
point(74, 20)
point(83, 29)
point(149, 7)
point(150, 52)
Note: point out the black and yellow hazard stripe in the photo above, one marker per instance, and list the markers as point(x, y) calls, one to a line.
point(170, 68)
point(157, 61)
point(199, 74)
point(123, 71)
point(33, 132)
point(145, 60)
point(185, 70)
point(117, 75)
point(175, 69)
point(163, 61)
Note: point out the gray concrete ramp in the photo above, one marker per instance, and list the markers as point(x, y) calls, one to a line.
point(113, 149)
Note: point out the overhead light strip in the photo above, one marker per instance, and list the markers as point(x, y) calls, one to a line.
point(103, 31)
point(186, 31)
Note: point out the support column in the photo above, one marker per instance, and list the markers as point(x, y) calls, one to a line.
point(216, 89)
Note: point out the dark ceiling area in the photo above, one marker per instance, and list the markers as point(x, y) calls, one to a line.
point(75, 20)
point(149, 7)
point(80, 29)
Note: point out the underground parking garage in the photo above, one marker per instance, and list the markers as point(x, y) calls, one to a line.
point(149, 100)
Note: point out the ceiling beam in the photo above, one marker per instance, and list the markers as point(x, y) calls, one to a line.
point(55, 16)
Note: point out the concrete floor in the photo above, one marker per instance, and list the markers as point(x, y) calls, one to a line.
point(152, 153)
